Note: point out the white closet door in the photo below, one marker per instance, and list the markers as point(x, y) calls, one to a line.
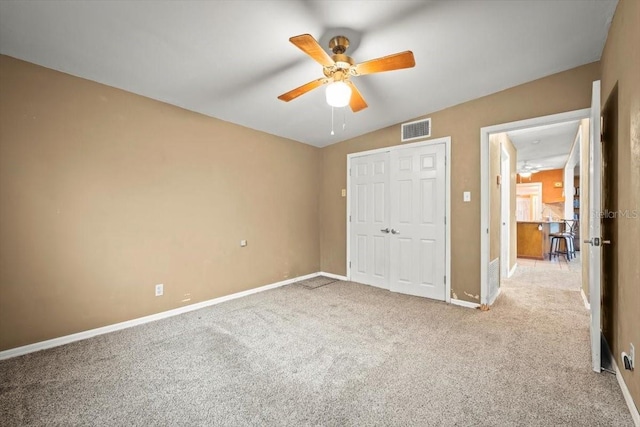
point(369, 218)
point(418, 221)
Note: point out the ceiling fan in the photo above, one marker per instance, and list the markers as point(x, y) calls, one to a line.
point(526, 170)
point(339, 68)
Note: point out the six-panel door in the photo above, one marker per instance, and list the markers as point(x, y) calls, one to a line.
point(417, 245)
point(370, 220)
point(397, 238)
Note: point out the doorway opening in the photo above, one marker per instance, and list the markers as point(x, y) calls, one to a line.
point(543, 154)
point(586, 197)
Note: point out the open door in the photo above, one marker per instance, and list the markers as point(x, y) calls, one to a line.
point(505, 212)
point(595, 239)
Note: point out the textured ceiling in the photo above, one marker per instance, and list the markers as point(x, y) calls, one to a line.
point(545, 147)
point(231, 59)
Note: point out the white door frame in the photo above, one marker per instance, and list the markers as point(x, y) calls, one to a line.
point(484, 179)
point(505, 212)
point(447, 142)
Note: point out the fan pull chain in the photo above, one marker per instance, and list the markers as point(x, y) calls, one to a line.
point(344, 120)
point(332, 132)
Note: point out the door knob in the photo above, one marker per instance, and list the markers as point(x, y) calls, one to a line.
point(394, 231)
point(596, 241)
point(385, 230)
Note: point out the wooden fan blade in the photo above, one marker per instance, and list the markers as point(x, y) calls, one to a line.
point(309, 45)
point(293, 94)
point(357, 102)
point(397, 61)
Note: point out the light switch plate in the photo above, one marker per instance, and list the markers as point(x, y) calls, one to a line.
point(466, 196)
point(243, 243)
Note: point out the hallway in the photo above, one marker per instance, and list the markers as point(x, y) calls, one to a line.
point(542, 304)
point(555, 274)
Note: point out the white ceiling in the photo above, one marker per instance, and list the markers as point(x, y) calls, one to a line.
point(545, 147)
point(231, 59)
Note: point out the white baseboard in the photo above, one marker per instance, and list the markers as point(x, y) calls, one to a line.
point(513, 270)
point(464, 303)
point(587, 305)
point(635, 415)
point(55, 342)
point(332, 276)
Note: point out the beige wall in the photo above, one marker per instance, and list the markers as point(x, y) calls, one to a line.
point(496, 141)
point(104, 193)
point(621, 65)
point(566, 91)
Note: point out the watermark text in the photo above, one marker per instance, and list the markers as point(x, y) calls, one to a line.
point(620, 213)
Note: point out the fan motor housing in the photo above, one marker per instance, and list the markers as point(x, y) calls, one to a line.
point(339, 44)
point(342, 61)
point(343, 66)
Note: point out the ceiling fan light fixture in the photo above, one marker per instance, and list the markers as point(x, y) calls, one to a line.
point(338, 94)
point(339, 67)
point(527, 170)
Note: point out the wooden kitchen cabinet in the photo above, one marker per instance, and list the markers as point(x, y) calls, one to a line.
point(533, 238)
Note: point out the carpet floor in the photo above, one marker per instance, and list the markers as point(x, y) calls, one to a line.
point(342, 354)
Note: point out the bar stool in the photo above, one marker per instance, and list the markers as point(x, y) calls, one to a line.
point(566, 236)
point(554, 248)
point(570, 233)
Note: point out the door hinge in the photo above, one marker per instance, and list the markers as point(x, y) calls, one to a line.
point(349, 218)
point(349, 264)
point(445, 220)
point(445, 280)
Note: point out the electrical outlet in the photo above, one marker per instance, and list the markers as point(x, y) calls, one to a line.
point(159, 290)
point(243, 243)
point(628, 360)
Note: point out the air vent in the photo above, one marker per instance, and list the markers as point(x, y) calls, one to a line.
point(416, 130)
